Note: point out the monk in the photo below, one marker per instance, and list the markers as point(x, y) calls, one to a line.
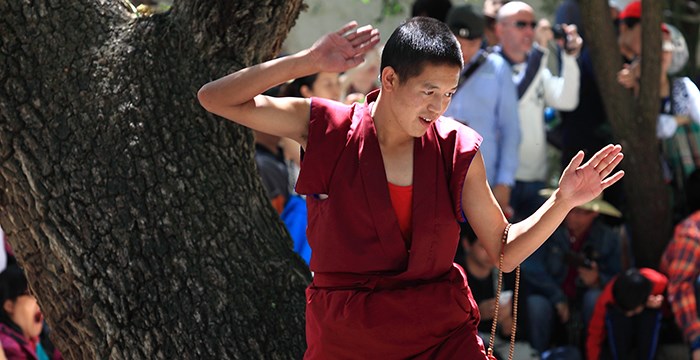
point(386, 182)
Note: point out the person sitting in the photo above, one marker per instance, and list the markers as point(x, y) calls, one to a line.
point(628, 311)
point(21, 320)
point(483, 281)
point(565, 276)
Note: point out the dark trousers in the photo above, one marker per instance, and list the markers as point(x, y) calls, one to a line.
point(634, 337)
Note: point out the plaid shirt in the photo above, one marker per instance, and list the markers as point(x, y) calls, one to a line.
point(681, 262)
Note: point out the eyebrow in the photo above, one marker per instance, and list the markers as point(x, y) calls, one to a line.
point(430, 86)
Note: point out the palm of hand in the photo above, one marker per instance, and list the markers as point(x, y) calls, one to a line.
point(580, 184)
point(334, 51)
point(338, 51)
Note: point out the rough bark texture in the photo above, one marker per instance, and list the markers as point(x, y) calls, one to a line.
point(139, 218)
point(634, 123)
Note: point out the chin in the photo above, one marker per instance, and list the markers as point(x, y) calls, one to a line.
point(419, 132)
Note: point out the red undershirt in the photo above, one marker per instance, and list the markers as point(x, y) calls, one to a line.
point(401, 201)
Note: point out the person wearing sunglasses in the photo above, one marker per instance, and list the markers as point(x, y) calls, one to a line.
point(536, 88)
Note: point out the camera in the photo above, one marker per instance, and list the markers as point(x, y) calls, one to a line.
point(583, 258)
point(560, 33)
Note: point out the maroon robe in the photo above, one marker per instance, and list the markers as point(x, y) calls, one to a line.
point(371, 297)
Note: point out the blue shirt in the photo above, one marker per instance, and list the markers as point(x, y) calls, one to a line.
point(488, 103)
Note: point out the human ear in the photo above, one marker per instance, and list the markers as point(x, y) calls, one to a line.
point(389, 78)
point(8, 306)
point(306, 91)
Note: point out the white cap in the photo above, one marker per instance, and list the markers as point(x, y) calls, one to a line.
point(680, 50)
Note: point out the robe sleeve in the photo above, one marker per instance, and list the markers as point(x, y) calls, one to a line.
point(459, 144)
point(329, 124)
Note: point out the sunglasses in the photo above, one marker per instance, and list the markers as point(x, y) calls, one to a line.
point(523, 24)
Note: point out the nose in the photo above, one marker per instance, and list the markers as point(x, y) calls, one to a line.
point(438, 104)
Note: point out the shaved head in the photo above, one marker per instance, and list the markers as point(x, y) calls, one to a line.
point(512, 8)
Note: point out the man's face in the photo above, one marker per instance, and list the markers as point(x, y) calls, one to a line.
point(420, 100)
point(579, 220)
point(631, 36)
point(517, 32)
point(666, 52)
point(469, 48)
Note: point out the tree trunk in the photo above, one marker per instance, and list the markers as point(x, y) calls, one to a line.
point(138, 217)
point(634, 125)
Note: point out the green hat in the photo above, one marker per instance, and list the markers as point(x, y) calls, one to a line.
point(597, 205)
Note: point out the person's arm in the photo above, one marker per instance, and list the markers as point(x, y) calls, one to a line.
point(579, 184)
point(693, 100)
point(666, 126)
point(237, 96)
point(561, 92)
point(658, 280)
point(684, 255)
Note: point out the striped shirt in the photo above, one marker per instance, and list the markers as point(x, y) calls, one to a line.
point(681, 262)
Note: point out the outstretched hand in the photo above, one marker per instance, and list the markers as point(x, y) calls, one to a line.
point(343, 49)
point(580, 184)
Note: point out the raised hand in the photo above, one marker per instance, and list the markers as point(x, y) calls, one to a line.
point(574, 42)
point(580, 184)
point(345, 48)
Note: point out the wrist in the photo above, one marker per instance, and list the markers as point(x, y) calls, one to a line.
point(306, 62)
point(563, 201)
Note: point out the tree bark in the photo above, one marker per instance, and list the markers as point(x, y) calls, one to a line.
point(138, 217)
point(634, 125)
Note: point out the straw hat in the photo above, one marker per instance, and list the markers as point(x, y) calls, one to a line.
point(598, 204)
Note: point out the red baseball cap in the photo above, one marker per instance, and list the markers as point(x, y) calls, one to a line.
point(632, 10)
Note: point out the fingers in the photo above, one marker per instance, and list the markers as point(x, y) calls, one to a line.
point(602, 156)
point(611, 165)
point(357, 35)
point(349, 27)
point(612, 180)
point(357, 55)
point(361, 39)
point(575, 162)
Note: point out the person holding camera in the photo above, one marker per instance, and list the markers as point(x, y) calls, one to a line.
point(566, 275)
point(536, 89)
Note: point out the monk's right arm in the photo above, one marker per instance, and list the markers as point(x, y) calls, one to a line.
point(237, 96)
